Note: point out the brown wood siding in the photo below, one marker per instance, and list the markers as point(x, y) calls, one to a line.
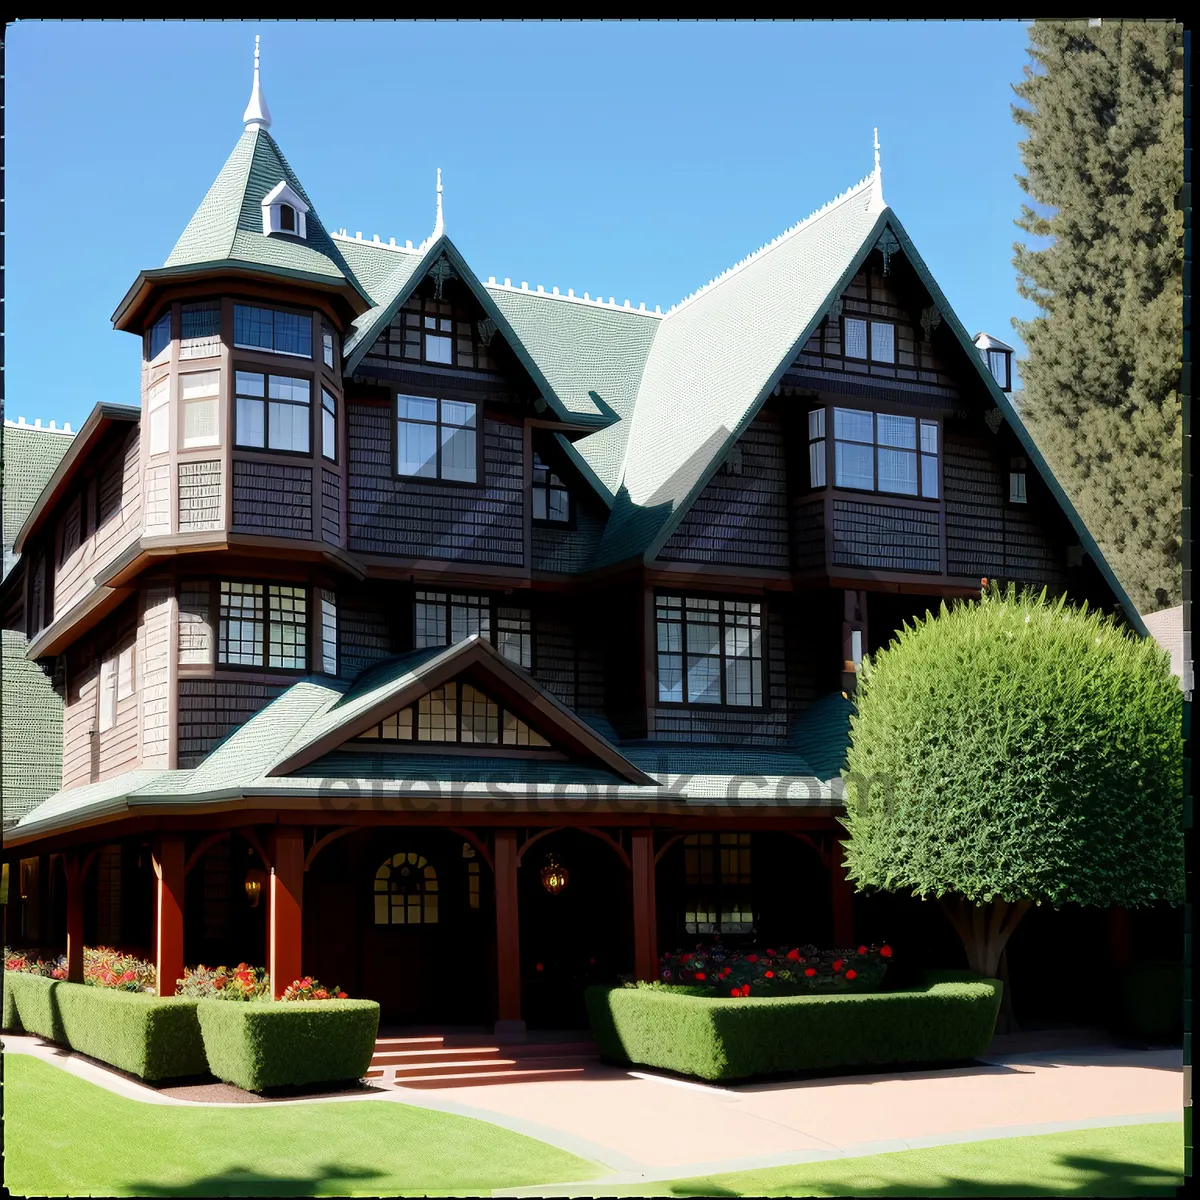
point(211, 709)
point(562, 549)
point(331, 503)
point(153, 653)
point(808, 534)
point(739, 519)
point(201, 505)
point(424, 519)
point(79, 719)
point(890, 537)
point(364, 634)
point(555, 650)
point(272, 498)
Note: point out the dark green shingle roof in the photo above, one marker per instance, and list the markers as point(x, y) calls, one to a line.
point(30, 456)
point(31, 714)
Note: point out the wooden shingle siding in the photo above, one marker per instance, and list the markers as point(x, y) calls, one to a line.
point(153, 651)
point(424, 519)
point(195, 624)
point(158, 499)
point(211, 709)
point(739, 519)
point(79, 719)
point(564, 549)
point(808, 534)
point(890, 537)
point(200, 502)
point(272, 498)
point(364, 635)
point(554, 654)
point(331, 503)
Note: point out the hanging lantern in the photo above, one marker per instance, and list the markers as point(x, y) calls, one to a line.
point(554, 876)
point(255, 878)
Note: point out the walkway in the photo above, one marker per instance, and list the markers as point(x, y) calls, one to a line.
point(648, 1126)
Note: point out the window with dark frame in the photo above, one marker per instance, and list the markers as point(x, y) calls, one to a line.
point(406, 891)
point(435, 332)
point(883, 452)
point(272, 412)
point(551, 500)
point(327, 347)
point(272, 329)
point(709, 651)
point(816, 448)
point(869, 340)
point(1017, 493)
point(447, 618)
point(329, 632)
point(263, 625)
point(158, 337)
point(457, 713)
point(437, 439)
point(287, 218)
point(514, 636)
point(717, 883)
point(999, 365)
point(328, 425)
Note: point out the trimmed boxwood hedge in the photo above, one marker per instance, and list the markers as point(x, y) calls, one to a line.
point(265, 1044)
point(11, 1023)
point(148, 1036)
point(740, 1039)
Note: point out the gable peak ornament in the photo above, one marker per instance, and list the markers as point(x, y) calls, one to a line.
point(439, 273)
point(888, 245)
point(993, 417)
point(257, 115)
point(930, 320)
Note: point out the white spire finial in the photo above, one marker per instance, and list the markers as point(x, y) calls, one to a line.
point(439, 224)
point(257, 115)
point(877, 203)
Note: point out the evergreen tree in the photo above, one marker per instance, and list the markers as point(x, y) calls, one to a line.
point(1104, 157)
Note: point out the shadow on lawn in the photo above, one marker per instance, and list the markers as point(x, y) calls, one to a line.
point(1095, 1177)
point(242, 1181)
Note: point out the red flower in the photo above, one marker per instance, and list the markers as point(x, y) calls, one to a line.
point(752, 958)
point(745, 989)
point(539, 967)
point(810, 971)
point(735, 991)
point(793, 953)
point(769, 974)
point(885, 951)
point(983, 581)
point(770, 953)
point(700, 975)
point(219, 982)
point(862, 949)
point(837, 965)
point(685, 958)
point(851, 974)
point(342, 996)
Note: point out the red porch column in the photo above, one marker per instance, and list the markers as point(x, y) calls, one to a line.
point(73, 870)
point(645, 920)
point(842, 895)
point(287, 899)
point(168, 861)
point(508, 937)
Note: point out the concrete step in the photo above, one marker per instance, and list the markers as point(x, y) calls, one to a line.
point(498, 1063)
point(480, 1077)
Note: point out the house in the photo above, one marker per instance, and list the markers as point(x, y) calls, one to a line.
point(459, 641)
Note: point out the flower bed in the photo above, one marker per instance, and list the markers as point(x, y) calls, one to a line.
point(786, 971)
point(242, 982)
point(265, 1044)
point(102, 967)
point(148, 1036)
point(681, 1029)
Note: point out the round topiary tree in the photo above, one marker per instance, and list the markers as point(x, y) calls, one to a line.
point(1016, 751)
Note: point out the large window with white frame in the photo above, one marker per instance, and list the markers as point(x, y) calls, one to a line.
point(437, 438)
point(273, 330)
point(199, 397)
point(710, 651)
point(263, 625)
point(272, 412)
point(877, 452)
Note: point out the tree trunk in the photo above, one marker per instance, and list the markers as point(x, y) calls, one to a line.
point(984, 930)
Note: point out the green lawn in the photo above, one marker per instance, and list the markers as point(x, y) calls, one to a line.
point(1127, 1160)
point(65, 1136)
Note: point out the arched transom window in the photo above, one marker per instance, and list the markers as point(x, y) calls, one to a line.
point(406, 891)
point(456, 713)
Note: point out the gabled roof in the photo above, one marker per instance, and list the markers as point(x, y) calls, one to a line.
point(29, 456)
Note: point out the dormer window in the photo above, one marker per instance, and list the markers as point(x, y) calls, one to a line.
point(997, 357)
point(284, 211)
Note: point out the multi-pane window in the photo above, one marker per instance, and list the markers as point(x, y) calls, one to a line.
point(158, 337)
point(1016, 481)
point(198, 401)
point(406, 891)
point(271, 329)
point(551, 501)
point(327, 347)
point(514, 636)
point(158, 406)
point(432, 331)
point(458, 713)
point(816, 448)
point(200, 330)
point(436, 439)
point(445, 618)
point(886, 453)
point(879, 336)
point(263, 625)
point(329, 633)
point(329, 424)
point(272, 412)
point(709, 651)
point(717, 875)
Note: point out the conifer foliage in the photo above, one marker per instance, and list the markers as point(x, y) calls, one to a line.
point(1011, 752)
point(1102, 108)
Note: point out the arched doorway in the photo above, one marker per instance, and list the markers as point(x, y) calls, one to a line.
point(573, 933)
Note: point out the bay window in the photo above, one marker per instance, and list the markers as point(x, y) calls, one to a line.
point(263, 625)
point(436, 439)
point(272, 412)
point(877, 452)
point(329, 424)
point(272, 330)
point(199, 395)
point(709, 651)
point(158, 406)
point(158, 336)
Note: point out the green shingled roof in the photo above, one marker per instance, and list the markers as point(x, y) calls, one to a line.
point(30, 456)
point(227, 227)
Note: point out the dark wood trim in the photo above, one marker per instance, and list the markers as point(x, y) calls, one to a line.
point(324, 841)
point(205, 845)
point(456, 749)
point(479, 844)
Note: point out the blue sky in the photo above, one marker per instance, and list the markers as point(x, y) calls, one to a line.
point(632, 160)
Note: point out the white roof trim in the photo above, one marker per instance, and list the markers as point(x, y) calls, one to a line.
point(284, 193)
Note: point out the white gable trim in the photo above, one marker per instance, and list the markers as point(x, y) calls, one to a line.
point(283, 193)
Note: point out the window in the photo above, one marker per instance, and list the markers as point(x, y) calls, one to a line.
point(436, 439)
point(435, 331)
point(880, 452)
point(158, 337)
point(444, 618)
point(284, 211)
point(270, 329)
point(472, 875)
point(514, 636)
point(327, 347)
point(263, 624)
point(329, 425)
point(816, 448)
point(709, 651)
point(551, 501)
point(287, 218)
point(406, 891)
point(456, 713)
point(198, 398)
point(882, 339)
point(126, 682)
point(1016, 481)
point(329, 649)
point(717, 874)
point(157, 399)
point(108, 694)
point(272, 412)
point(200, 332)
point(998, 364)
